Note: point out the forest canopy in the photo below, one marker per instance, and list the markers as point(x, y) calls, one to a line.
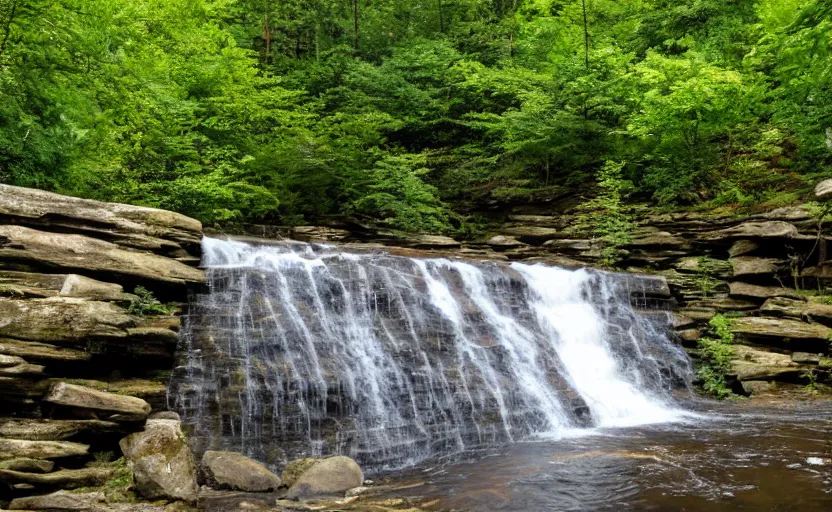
point(408, 112)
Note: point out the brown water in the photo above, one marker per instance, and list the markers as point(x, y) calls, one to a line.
point(738, 456)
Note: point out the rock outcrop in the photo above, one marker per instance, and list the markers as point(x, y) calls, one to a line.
point(229, 470)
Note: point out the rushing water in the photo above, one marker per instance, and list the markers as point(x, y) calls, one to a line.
point(298, 349)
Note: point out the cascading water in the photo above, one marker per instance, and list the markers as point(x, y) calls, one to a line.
point(307, 350)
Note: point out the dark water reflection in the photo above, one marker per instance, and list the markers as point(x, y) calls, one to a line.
point(740, 456)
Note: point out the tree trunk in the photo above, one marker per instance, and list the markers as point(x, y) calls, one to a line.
point(355, 25)
point(7, 27)
point(586, 35)
point(441, 16)
point(267, 37)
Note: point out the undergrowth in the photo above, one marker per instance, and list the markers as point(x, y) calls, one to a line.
point(716, 352)
point(146, 304)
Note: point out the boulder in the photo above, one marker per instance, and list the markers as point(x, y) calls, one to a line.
point(98, 404)
point(62, 320)
point(65, 478)
point(753, 364)
point(62, 501)
point(755, 327)
point(823, 190)
point(89, 255)
point(295, 468)
point(327, 477)
point(53, 430)
point(162, 464)
point(22, 448)
point(751, 291)
point(755, 229)
point(229, 470)
point(27, 465)
point(749, 265)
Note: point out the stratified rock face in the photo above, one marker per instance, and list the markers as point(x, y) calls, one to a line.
point(229, 470)
point(163, 466)
point(327, 477)
point(137, 226)
point(753, 364)
point(28, 465)
point(100, 404)
point(779, 328)
point(755, 229)
point(82, 254)
point(62, 319)
point(64, 479)
point(54, 430)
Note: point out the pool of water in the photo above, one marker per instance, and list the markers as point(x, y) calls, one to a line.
point(741, 455)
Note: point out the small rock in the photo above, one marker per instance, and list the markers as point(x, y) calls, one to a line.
point(101, 404)
point(805, 358)
point(357, 491)
point(228, 470)
point(163, 465)
point(327, 477)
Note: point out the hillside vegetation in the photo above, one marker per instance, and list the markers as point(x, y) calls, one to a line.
point(408, 112)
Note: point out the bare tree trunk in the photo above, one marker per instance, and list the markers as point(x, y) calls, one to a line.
point(586, 35)
point(267, 37)
point(7, 27)
point(441, 16)
point(355, 25)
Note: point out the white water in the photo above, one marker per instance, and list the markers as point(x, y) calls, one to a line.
point(300, 349)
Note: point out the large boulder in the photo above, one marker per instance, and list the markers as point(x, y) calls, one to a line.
point(162, 464)
point(22, 448)
point(229, 470)
point(295, 468)
point(327, 477)
point(97, 404)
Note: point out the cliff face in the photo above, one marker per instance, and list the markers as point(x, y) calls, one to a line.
point(69, 269)
point(768, 273)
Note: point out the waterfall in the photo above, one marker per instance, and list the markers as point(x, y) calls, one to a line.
point(306, 350)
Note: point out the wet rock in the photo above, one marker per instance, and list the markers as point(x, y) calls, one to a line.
point(84, 254)
point(327, 477)
point(28, 465)
point(98, 404)
point(228, 470)
point(751, 291)
point(62, 501)
point(779, 328)
point(295, 468)
point(22, 448)
point(748, 266)
point(753, 364)
point(162, 464)
point(65, 478)
point(823, 190)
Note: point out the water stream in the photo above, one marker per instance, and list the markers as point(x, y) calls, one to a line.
point(298, 349)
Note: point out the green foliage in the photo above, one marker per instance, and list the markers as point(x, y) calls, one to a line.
point(715, 353)
point(409, 112)
point(706, 267)
point(606, 214)
point(146, 304)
